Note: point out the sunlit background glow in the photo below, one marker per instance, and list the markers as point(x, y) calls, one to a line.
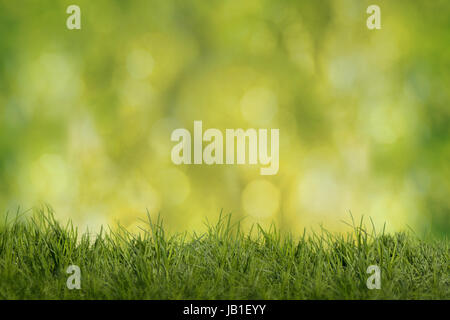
point(86, 115)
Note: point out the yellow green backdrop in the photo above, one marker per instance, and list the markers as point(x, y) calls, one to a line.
point(86, 115)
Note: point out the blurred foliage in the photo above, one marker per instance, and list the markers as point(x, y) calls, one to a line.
point(86, 115)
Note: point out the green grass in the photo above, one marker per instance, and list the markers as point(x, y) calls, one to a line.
point(223, 263)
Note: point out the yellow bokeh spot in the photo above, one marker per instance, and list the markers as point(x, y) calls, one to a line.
point(50, 178)
point(140, 64)
point(175, 186)
point(261, 199)
point(259, 106)
point(136, 95)
point(319, 191)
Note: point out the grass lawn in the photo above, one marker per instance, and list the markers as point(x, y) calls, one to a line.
point(223, 263)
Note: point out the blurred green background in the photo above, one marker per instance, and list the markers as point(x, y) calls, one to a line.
point(86, 115)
